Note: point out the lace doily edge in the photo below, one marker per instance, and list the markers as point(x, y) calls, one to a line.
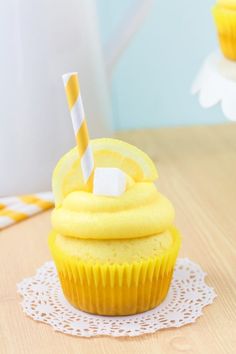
point(211, 290)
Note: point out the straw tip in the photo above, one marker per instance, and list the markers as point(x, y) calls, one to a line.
point(66, 76)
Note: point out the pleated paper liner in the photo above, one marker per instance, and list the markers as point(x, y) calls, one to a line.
point(116, 289)
point(225, 20)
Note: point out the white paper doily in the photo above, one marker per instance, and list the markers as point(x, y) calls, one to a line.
point(216, 83)
point(43, 301)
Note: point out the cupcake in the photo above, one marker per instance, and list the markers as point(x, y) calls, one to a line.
point(224, 13)
point(114, 255)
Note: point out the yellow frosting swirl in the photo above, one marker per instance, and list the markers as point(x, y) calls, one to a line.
point(230, 4)
point(140, 211)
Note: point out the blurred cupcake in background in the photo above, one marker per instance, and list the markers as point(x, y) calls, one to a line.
point(224, 13)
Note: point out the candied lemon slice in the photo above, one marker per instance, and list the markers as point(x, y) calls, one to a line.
point(107, 152)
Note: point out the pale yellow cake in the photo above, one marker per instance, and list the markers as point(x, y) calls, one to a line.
point(114, 255)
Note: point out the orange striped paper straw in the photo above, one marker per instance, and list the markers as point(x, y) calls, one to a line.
point(75, 104)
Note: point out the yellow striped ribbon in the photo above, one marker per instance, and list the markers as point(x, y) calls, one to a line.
point(15, 209)
point(75, 104)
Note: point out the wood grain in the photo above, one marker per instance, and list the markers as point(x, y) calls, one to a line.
point(197, 168)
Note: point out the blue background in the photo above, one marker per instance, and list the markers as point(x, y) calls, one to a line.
point(152, 80)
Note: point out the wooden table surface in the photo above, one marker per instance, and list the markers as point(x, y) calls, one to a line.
point(197, 168)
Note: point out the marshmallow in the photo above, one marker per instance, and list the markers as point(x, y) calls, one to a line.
point(109, 181)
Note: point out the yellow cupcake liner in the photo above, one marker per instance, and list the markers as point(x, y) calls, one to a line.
point(115, 289)
point(225, 20)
